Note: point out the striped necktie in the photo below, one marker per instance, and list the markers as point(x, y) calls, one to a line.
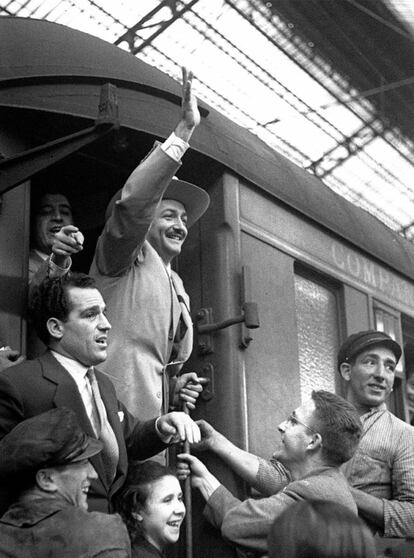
point(110, 452)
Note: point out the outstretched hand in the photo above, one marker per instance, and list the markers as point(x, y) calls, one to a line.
point(178, 427)
point(190, 115)
point(201, 478)
point(68, 241)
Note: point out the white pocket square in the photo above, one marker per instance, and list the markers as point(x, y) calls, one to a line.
point(121, 415)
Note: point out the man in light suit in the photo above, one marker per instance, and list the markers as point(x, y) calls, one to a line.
point(69, 317)
point(147, 224)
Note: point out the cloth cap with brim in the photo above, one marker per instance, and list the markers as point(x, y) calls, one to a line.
point(194, 199)
point(51, 439)
point(363, 340)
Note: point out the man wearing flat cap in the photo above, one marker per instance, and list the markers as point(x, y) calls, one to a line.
point(147, 223)
point(47, 457)
point(382, 469)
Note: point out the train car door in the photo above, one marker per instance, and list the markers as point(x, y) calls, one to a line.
point(14, 250)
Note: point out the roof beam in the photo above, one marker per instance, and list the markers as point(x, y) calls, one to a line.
point(136, 42)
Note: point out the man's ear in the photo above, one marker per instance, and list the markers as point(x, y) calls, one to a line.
point(316, 442)
point(45, 480)
point(345, 370)
point(55, 328)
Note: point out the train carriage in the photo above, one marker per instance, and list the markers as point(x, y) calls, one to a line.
point(275, 236)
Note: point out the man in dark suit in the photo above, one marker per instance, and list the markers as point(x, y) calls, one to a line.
point(69, 317)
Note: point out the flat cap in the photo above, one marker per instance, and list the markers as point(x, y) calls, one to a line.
point(47, 440)
point(359, 342)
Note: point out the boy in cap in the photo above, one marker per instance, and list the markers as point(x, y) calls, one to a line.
point(382, 469)
point(47, 458)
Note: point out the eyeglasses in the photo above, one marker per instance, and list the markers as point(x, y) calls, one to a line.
point(293, 421)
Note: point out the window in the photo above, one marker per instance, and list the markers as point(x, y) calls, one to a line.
point(318, 334)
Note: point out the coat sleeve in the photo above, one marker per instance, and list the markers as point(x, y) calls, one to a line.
point(141, 438)
point(125, 230)
point(271, 477)
point(11, 405)
point(247, 523)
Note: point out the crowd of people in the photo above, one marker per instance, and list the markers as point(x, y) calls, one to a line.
point(85, 424)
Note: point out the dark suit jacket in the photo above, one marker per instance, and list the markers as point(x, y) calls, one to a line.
point(36, 386)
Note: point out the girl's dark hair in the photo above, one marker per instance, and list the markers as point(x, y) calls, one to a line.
point(319, 529)
point(136, 490)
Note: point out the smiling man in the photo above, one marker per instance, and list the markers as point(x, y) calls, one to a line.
point(382, 469)
point(47, 456)
point(146, 225)
point(316, 439)
point(51, 212)
point(70, 317)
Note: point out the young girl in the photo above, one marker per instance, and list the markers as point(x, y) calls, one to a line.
point(151, 504)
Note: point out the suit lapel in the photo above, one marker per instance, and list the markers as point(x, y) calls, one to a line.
point(67, 395)
point(180, 304)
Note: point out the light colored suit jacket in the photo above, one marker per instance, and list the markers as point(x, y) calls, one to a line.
point(144, 303)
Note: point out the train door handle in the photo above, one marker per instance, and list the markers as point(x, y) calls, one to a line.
point(206, 326)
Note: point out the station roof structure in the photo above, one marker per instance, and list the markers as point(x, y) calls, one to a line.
point(328, 83)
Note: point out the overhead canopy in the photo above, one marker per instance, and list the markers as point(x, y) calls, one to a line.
point(54, 69)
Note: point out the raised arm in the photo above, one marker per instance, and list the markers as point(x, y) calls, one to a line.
point(130, 216)
point(260, 474)
point(243, 523)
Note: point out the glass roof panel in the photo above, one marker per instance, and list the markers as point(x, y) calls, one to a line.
point(251, 66)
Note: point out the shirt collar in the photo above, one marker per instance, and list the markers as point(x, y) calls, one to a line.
point(75, 368)
point(41, 254)
point(379, 409)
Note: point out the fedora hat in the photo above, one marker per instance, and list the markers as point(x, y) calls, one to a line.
point(194, 199)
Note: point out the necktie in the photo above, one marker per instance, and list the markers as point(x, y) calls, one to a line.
point(110, 452)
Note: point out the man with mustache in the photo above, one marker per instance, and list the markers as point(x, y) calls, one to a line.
point(146, 225)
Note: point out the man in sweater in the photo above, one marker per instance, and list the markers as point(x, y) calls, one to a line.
point(316, 439)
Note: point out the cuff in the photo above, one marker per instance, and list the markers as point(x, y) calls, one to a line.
point(56, 270)
point(175, 147)
point(165, 438)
